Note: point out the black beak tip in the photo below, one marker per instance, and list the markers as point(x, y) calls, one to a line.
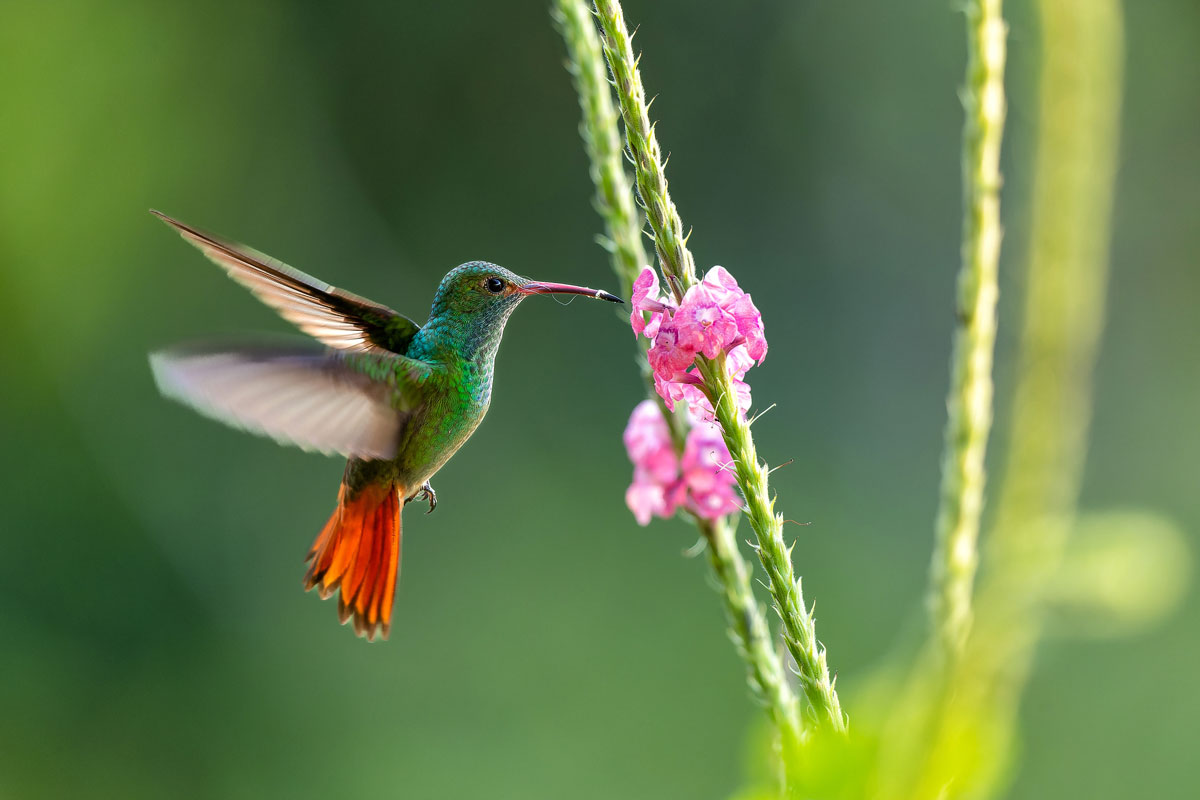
point(612, 298)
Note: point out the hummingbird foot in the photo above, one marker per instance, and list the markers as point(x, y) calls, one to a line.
point(426, 493)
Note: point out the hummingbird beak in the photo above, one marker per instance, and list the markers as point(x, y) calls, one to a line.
point(542, 287)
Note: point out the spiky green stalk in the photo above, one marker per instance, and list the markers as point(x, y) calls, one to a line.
point(669, 240)
point(679, 270)
point(969, 401)
point(750, 633)
point(602, 141)
point(799, 624)
point(749, 630)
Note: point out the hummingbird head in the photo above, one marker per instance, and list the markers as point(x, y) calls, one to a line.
point(474, 300)
point(488, 290)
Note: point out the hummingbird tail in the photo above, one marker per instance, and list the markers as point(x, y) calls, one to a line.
point(358, 551)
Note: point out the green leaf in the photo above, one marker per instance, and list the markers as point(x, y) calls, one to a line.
point(1123, 572)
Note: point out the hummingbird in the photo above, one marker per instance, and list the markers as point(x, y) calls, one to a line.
point(395, 398)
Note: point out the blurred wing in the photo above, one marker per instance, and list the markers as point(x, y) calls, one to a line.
point(337, 318)
point(314, 401)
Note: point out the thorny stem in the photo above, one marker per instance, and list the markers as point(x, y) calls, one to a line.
point(614, 195)
point(969, 401)
point(669, 241)
point(602, 141)
point(679, 270)
point(749, 630)
point(799, 624)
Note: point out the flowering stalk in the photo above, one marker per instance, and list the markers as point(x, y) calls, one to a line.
point(969, 402)
point(713, 378)
point(749, 630)
point(602, 141)
point(669, 241)
point(799, 624)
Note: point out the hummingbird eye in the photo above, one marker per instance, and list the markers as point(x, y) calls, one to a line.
point(494, 285)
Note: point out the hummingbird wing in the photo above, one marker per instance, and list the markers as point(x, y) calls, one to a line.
point(337, 318)
point(317, 401)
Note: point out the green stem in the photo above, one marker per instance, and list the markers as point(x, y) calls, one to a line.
point(969, 401)
point(679, 270)
point(614, 195)
point(799, 624)
point(1073, 189)
point(669, 241)
point(602, 141)
point(750, 633)
point(614, 202)
point(1074, 177)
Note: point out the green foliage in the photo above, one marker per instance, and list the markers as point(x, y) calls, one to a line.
point(1123, 571)
point(828, 764)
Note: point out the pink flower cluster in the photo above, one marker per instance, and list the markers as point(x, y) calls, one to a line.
point(715, 317)
point(702, 481)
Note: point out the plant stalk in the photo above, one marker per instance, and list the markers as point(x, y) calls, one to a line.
point(1074, 182)
point(1067, 271)
point(679, 270)
point(614, 202)
point(969, 401)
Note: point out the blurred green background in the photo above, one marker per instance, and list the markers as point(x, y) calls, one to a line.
point(155, 639)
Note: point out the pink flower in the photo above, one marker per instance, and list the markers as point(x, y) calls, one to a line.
point(646, 297)
point(647, 499)
point(669, 391)
point(740, 307)
point(681, 387)
point(655, 467)
point(705, 450)
point(646, 432)
point(703, 482)
point(708, 473)
point(699, 405)
point(694, 397)
point(687, 387)
point(668, 355)
point(704, 324)
point(715, 317)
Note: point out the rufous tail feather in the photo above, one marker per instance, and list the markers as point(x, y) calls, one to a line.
point(358, 552)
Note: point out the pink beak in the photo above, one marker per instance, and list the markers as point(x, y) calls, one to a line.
point(542, 287)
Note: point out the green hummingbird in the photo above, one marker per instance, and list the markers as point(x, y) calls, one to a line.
point(397, 399)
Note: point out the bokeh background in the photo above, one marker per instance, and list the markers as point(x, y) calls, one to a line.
point(155, 639)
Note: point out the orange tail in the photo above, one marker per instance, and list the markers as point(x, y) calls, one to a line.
point(359, 552)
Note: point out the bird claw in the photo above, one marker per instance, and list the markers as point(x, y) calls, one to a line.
point(426, 493)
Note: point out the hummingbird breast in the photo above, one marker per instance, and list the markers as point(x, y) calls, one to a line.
point(440, 426)
point(456, 398)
